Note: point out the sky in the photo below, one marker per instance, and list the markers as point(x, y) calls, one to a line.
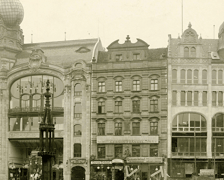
point(149, 20)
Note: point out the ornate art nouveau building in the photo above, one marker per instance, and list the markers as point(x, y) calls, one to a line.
point(24, 69)
point(195, 104)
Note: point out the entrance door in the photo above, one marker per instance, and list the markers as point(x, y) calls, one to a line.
point(119, 175)
point(78, 173)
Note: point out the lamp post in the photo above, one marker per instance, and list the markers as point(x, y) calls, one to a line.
point(46, 143)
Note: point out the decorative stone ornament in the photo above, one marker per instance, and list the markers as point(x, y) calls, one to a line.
point(36, 58)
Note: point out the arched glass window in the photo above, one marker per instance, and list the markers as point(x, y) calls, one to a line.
point(195, 76)
point(77, 150)
point(182, 76)
point(189, 76)
point(78, 90)
point(218, 123)
point(27, 101)
point(185, 141)
point(77, 130)
point(204, 76)
point(193, 52)
point(214, 77)
point(186, 52)
point(174, 76)
point(189, 122)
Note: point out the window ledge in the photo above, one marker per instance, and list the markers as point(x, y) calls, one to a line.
point(118, 112)
point(136, 91)
point(118, 91)
point(101, 92)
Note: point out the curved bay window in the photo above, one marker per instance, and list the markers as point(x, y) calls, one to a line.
point(27, 102)
point(189, 135)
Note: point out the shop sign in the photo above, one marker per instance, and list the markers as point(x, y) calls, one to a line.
point(206, 172)
point(144, 160)
point(78, 161)
point(127, 139)
point(101, 162)
point(118, 161)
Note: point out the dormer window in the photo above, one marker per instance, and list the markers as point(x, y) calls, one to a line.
point(136, 56)
point(118, 57)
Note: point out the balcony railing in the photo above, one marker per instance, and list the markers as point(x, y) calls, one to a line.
point(34, 109)
point(189, 154)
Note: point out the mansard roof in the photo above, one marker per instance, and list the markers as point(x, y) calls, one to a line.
point(63, 53)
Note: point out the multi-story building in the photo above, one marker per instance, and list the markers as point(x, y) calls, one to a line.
point(195, 105)
point(129, 111)
point(24, 69)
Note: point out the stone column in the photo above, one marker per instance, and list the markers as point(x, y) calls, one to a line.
point(4, 100)
point(67, 131)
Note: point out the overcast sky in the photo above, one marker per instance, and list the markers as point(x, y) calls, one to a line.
point(149, 20)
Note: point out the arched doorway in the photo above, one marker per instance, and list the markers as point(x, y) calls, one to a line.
point(78, 173)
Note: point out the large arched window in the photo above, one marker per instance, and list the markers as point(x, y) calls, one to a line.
point(193, 52)
point(182, 76)
point(189, 135)
point(27, 102)
point(189, 76)
point(204, 76)
point(214, 76)
point(77, 130)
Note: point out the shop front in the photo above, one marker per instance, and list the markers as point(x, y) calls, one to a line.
point(101, 170)
point(144, 168)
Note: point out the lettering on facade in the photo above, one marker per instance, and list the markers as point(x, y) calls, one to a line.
point(101, 162)
point(78, 161)
point(206, 172)
point(125, 139)
point(144, 160)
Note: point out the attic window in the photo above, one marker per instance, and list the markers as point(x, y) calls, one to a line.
point(136, 56)
point(118, 57)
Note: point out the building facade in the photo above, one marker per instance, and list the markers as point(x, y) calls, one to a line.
point(129, 112)
point(24, 70)
point(195, 105)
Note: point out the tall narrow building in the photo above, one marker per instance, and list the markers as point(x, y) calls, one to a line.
point(129, 111)
point(195, 105)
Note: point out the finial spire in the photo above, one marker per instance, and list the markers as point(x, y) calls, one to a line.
point(128, 38)
point(189, 25)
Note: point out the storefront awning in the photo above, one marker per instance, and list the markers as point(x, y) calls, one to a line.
point(118, 161)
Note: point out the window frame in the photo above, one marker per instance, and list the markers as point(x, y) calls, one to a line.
point(136, 128)
point(101, 86)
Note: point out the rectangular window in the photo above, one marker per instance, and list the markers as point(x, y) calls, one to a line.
point(77, 110)
point(213, 98)
point(118, 57)
point(174, 98)
point(118, 86)
point(135, 150)
point(195, 98)
point(154, 105)
point(77, 150)
point(204, 77)
point(220, 98)
point(136, 85)
point(101, 151)
point(136, 106)
point(101, 86)
point(136, 128)
point(213, 76)
point(101, 128)
point(136, 56)
point(118, 106)
point(189, 76)
point(101, 107)
point(182, 76)
point(204, 98)
point(153, 128)
point(189, 98)
point(154, 84)
point(195, 76)
point(118, 128)
point(153, 150)
point(118, 150)
point(220, 75)
point(174, 76)
point(182, 98)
